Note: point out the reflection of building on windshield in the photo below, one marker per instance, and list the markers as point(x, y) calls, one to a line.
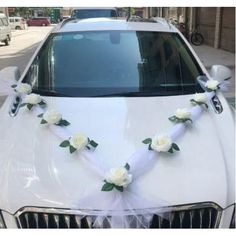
point(166, 65)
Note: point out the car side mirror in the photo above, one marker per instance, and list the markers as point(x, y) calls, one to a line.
point(8, 76)
point(220, 73)
point(10, 73)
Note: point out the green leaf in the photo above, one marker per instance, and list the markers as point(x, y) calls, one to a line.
point(199, 103)
point(172, 118)
point(43, 121)
point(93, 143)
point(65, 143)
point(29, 106)
point(119, 188)
point(23, 104)
point(63, 123)
point(147, 140)
point(175, 146)
point(40, 115)
point(107, 187)
point(127, 166)
point(171, 150)
point(188, 119)
point(42, 103)
point(210, 90)
point(14, 86)
point(149, 147)
point(193, 102)
point(72, 149)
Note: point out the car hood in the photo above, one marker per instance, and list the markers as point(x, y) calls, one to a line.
point(37, 172)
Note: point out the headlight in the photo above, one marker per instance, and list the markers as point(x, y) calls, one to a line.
point(232, 223)
point(2, 224)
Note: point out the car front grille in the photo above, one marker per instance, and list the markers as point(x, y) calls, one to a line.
point(203, 215)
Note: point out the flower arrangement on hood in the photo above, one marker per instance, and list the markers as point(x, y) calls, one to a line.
point(117, 178)
point(200, 99)
point(161, 143)
point(22, 88)
point(54, 117)
point(31, 100)
point(212, 85)
point(181, 115)
point(78, 142)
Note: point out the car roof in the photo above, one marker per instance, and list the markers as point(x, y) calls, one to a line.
point(99, 24)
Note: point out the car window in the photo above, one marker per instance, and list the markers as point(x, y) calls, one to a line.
point(17, 20)
point(92, 13)
point(11, 20)
point(100, 63)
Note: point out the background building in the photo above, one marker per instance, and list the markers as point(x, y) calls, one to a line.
point(216, 24)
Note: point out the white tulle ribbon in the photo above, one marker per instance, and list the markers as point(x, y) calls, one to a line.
point(128, 209)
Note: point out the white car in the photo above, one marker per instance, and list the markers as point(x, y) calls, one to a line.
point(17, 23)
point(109, 97)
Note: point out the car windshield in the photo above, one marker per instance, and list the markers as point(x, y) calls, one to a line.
point(114, 63)
point(93, 13)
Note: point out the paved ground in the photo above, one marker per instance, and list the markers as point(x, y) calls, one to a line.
point(25, 42)
point(22, 47)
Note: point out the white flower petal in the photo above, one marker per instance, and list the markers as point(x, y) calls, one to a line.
point(33, 99)
point(52, 116)
point(119, 176)
point(79, 141)
point(183, 113)
point(161, 143)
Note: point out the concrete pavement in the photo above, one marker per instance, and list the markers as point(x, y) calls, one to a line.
point(23, 45)
point(211, 56)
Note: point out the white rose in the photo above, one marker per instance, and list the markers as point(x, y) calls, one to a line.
point(161, 143)
point(212, 84)
point(119, 176)
point(52, 116)
point(33, 99)
point(200, 97)
point(23, 88)
point(78, 141)
point(182, 113)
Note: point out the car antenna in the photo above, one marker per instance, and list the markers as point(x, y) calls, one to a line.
point(129, 14)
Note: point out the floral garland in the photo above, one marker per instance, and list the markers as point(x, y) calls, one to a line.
point(117, 193)
point(116, 178)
